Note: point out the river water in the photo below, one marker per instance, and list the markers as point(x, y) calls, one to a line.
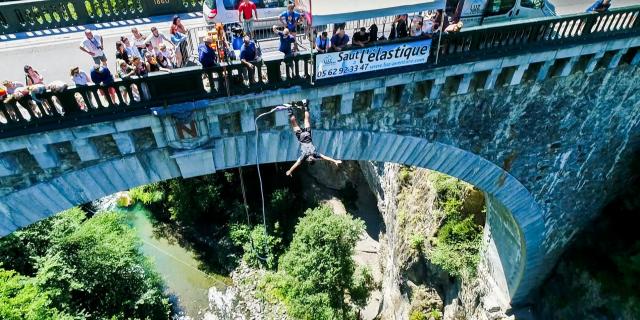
point(185, 283)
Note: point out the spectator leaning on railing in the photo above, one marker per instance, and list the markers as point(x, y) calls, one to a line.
point(600, 6)
point(360, 38)
point(248, 54)
point(207, 55)
point(286, 40)
point(339, 41)
point(322, 42)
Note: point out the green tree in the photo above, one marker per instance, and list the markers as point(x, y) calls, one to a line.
point(316, 274)
point(259, 248)
point(98, 270)
point(21, 299)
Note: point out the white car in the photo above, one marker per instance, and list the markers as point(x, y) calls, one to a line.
point(226, 11)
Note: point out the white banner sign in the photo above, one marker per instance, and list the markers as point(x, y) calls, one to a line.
point(337, 64)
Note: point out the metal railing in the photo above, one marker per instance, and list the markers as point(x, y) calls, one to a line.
point(134, 96)
point(32, 15)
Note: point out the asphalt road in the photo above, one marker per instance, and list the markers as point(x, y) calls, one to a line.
point(54, 55)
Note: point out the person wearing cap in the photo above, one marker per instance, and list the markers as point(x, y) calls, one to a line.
point(360, 38)
point(248, 54)
point(207, 55)
point(156, 38)
point(93, 45)
point(79, 77)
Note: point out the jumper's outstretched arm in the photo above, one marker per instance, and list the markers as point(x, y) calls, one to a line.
point(294, 167)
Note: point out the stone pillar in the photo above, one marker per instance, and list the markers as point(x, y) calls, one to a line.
point(566, 70)
point(463, 87)
point(593, 62)
point(517, 76)
point(492, 78)
point(247, 121)
point(616, 58)
point(636, 59)
point(85, 149)
point(378, 97)
point(124, 142)
point(407, 93)
point(436, 89)
point(346, 103)
point(7, 167)
point(544, 70)
point(45, 156)
point(214, 123)
point(158, 133)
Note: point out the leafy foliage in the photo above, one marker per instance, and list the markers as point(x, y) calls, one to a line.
point(316, 274)
point(87, 268)
point(21, 299)
point(259, 248)
point(458, 242)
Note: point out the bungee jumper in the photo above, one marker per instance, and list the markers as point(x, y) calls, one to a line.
point(307, 149)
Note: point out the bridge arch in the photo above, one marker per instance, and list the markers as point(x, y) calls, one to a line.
point(514, 230)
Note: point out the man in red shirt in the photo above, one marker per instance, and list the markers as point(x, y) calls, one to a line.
point(247, 13)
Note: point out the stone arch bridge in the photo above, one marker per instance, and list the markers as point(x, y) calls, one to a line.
point(542, 116)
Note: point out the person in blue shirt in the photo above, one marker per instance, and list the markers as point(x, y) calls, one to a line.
point(339, 41)
point(322, 42)
point(248, 54)
point(286, 40)
point(101, 75)
point(600, 6)
point(206, 55)
point(290, 19)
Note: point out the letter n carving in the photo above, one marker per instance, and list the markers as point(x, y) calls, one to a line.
point(191, 130)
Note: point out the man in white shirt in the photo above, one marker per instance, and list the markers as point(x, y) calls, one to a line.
point(157, 38)
point(93, 45)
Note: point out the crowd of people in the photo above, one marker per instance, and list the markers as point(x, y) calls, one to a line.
point(139, 55)
point(136, 55)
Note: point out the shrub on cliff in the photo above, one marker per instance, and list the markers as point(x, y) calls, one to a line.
point(315, 276)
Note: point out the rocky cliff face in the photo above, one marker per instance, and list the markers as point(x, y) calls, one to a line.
point(406, 200)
